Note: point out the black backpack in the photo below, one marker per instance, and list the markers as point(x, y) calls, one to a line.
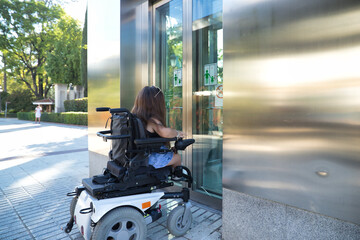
point(125, 127)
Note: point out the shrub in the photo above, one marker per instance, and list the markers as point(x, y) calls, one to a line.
point(26, 116)
point(20, 100)
point(76, 105)
point(8, 115)
point(77, 118)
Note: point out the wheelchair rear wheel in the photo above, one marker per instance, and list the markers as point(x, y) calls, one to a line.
point(121, 223)
point(178, 226)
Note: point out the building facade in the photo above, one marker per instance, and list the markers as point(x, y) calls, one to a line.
point(270, 91)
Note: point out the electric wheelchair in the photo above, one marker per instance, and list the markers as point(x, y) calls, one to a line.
point(119, 203)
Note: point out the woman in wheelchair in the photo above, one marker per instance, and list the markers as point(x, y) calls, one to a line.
point(119, 203)
point(149, 106)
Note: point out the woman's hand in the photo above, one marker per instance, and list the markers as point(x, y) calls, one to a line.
point(180, 134)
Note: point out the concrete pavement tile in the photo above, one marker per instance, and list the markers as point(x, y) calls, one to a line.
point(198, 213)
point(155, 229)
point(61, 220)
point(214, 236)
point(28, 207)
point(11, 226)
point(6, 177)
point(214, 218)
point(160, 234)
point(46, 231)
point(35, 216)
point(48, 193)
point(216, 224)
point(199, 231)
point(204, 216)
point(23, 238)
point(76, 235)
point(34, 189)
point(39, 224)
point(15, 234)
point(31, 224)
point(10, 214)
point(78, 238)
point(64, 238)
point(194, 208)
point(50, 235)
point(171, 237)
point(29, 211)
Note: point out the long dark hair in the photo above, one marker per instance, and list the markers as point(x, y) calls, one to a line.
point(150, 103)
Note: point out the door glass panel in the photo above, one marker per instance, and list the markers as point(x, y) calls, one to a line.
point(169, 58)
point(207, 87)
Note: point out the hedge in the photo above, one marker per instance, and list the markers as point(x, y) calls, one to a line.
point(8, 115)
point(76, 105)
point(77, 118)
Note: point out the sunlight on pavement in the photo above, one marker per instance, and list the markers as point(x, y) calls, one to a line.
point(13, 163)
point(44, 175)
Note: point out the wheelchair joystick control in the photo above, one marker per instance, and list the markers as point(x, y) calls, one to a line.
point(181, 144)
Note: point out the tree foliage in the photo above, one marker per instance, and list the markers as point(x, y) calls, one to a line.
point(20, 101)
point(26, 33)
point(63, 63)
point(36, 38)
point(83, 65)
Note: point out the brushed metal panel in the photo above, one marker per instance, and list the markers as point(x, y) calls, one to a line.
point(117, 40)
point(292, 103)
point(103, 66)
point(134, 49)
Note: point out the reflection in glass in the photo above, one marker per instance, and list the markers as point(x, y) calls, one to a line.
point(207, 95)
point(169, 57)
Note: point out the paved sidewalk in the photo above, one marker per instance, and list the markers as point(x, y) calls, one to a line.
point(39, 164)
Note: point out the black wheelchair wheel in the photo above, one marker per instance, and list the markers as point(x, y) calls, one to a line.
point(175, 223)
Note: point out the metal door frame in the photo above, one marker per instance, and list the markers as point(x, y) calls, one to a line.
point(186, 68)
point(187, 85)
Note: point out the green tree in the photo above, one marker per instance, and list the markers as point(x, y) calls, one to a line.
point(63, 63)
point(83, 65)
point(27, 34)
point(20, 101)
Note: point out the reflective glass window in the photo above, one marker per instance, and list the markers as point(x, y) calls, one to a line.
point(207, 88)
point(169, 58)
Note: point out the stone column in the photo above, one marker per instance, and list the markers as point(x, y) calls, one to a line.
point(71, 94)
point(79, 90)
point(60, 97)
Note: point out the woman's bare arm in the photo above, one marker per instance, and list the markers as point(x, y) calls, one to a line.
point(163, 131)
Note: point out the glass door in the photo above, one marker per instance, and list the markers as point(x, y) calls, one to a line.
point(201, 30)
point(207, 85)
point(169, 58)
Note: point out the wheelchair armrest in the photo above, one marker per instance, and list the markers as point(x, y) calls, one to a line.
point(119, 110)
point(107, 135)
point(102, 109)
point(144, 141)
point(112, 110)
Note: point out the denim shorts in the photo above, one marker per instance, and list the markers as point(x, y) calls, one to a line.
point(159, 160)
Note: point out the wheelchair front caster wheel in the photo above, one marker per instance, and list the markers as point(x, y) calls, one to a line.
point(176, 223)
point(121, 223)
